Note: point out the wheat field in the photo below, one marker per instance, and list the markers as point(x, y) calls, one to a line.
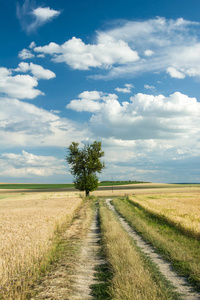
point(182, 210)
point(27, 226)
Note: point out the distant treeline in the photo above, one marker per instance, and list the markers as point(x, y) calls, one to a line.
point(119, 182)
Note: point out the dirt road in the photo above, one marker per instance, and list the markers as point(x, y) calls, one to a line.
point(180, 283)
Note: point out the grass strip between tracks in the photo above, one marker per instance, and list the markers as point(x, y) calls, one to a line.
point(174, 245)
point(133, 276)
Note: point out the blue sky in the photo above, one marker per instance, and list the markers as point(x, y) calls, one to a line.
point(126, 73)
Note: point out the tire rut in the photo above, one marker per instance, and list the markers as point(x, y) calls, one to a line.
point(84, 276)
point(180, 283)
point(75, 272)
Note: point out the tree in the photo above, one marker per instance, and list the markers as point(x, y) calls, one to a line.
point(84, 164)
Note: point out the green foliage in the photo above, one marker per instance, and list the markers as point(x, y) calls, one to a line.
point(86, 183)
point(84, 164)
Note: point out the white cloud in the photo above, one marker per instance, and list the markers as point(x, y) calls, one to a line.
point(31, 17)
point(186, 62)
point(165, 43)
point(159, 31)
point(127, 89)
point(20, 86)
point(23, 86)
point(41, 55)
point(148, 52)
point(89, 101)
point(90, 95)
point(79, 55)
point(25, 54)
point(144, 117)
point(25, 125)
point(175, 73)
point(28, 165)
point(38, 71)
point(44, 14)
point(84, 105)
point(149, 136)
point(149, 87)
point(55, 111)
point(32, 45)
point(51, 49)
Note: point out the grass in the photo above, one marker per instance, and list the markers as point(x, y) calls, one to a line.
point(170, 241)
point(103, 273)
point(35, 186)
point(58, 186)
point(103, 276)
point(142, 185)
point(28, 227)
point(132, 276)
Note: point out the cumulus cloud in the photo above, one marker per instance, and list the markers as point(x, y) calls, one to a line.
point(38, 71)
point(20, 86)
point(31, 17)
point(81, 56)
point(88, 101)
point(32, 45)
point(90, 95)
point(143, 117)
point(130, 48)
point(26, 54)
point(27, 164)
point(25, 125)
point(148, 52)
point(126, 89)
point(23, 86)
point(147, 136)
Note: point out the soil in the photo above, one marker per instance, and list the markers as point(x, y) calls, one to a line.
point(85, 272)
point(75, 272)
point(180, 283)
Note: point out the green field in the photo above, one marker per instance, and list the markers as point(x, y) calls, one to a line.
point(58, 186)
point(103, 183)
point(35, 186)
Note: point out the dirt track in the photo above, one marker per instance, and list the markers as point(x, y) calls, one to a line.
point(180, 283)
point(73, 275)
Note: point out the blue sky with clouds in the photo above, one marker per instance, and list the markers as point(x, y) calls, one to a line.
point(126, 73)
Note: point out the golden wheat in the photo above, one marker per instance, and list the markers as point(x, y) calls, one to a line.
point(180, 249)
point(27, 226)
point(182, 210)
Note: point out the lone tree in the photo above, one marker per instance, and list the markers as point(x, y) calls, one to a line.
point(84, 164)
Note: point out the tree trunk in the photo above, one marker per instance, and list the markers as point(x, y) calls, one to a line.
point(87, 193)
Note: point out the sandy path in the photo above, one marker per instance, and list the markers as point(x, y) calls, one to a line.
point(180, 283)
point(85, 273)
point(75, 272)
